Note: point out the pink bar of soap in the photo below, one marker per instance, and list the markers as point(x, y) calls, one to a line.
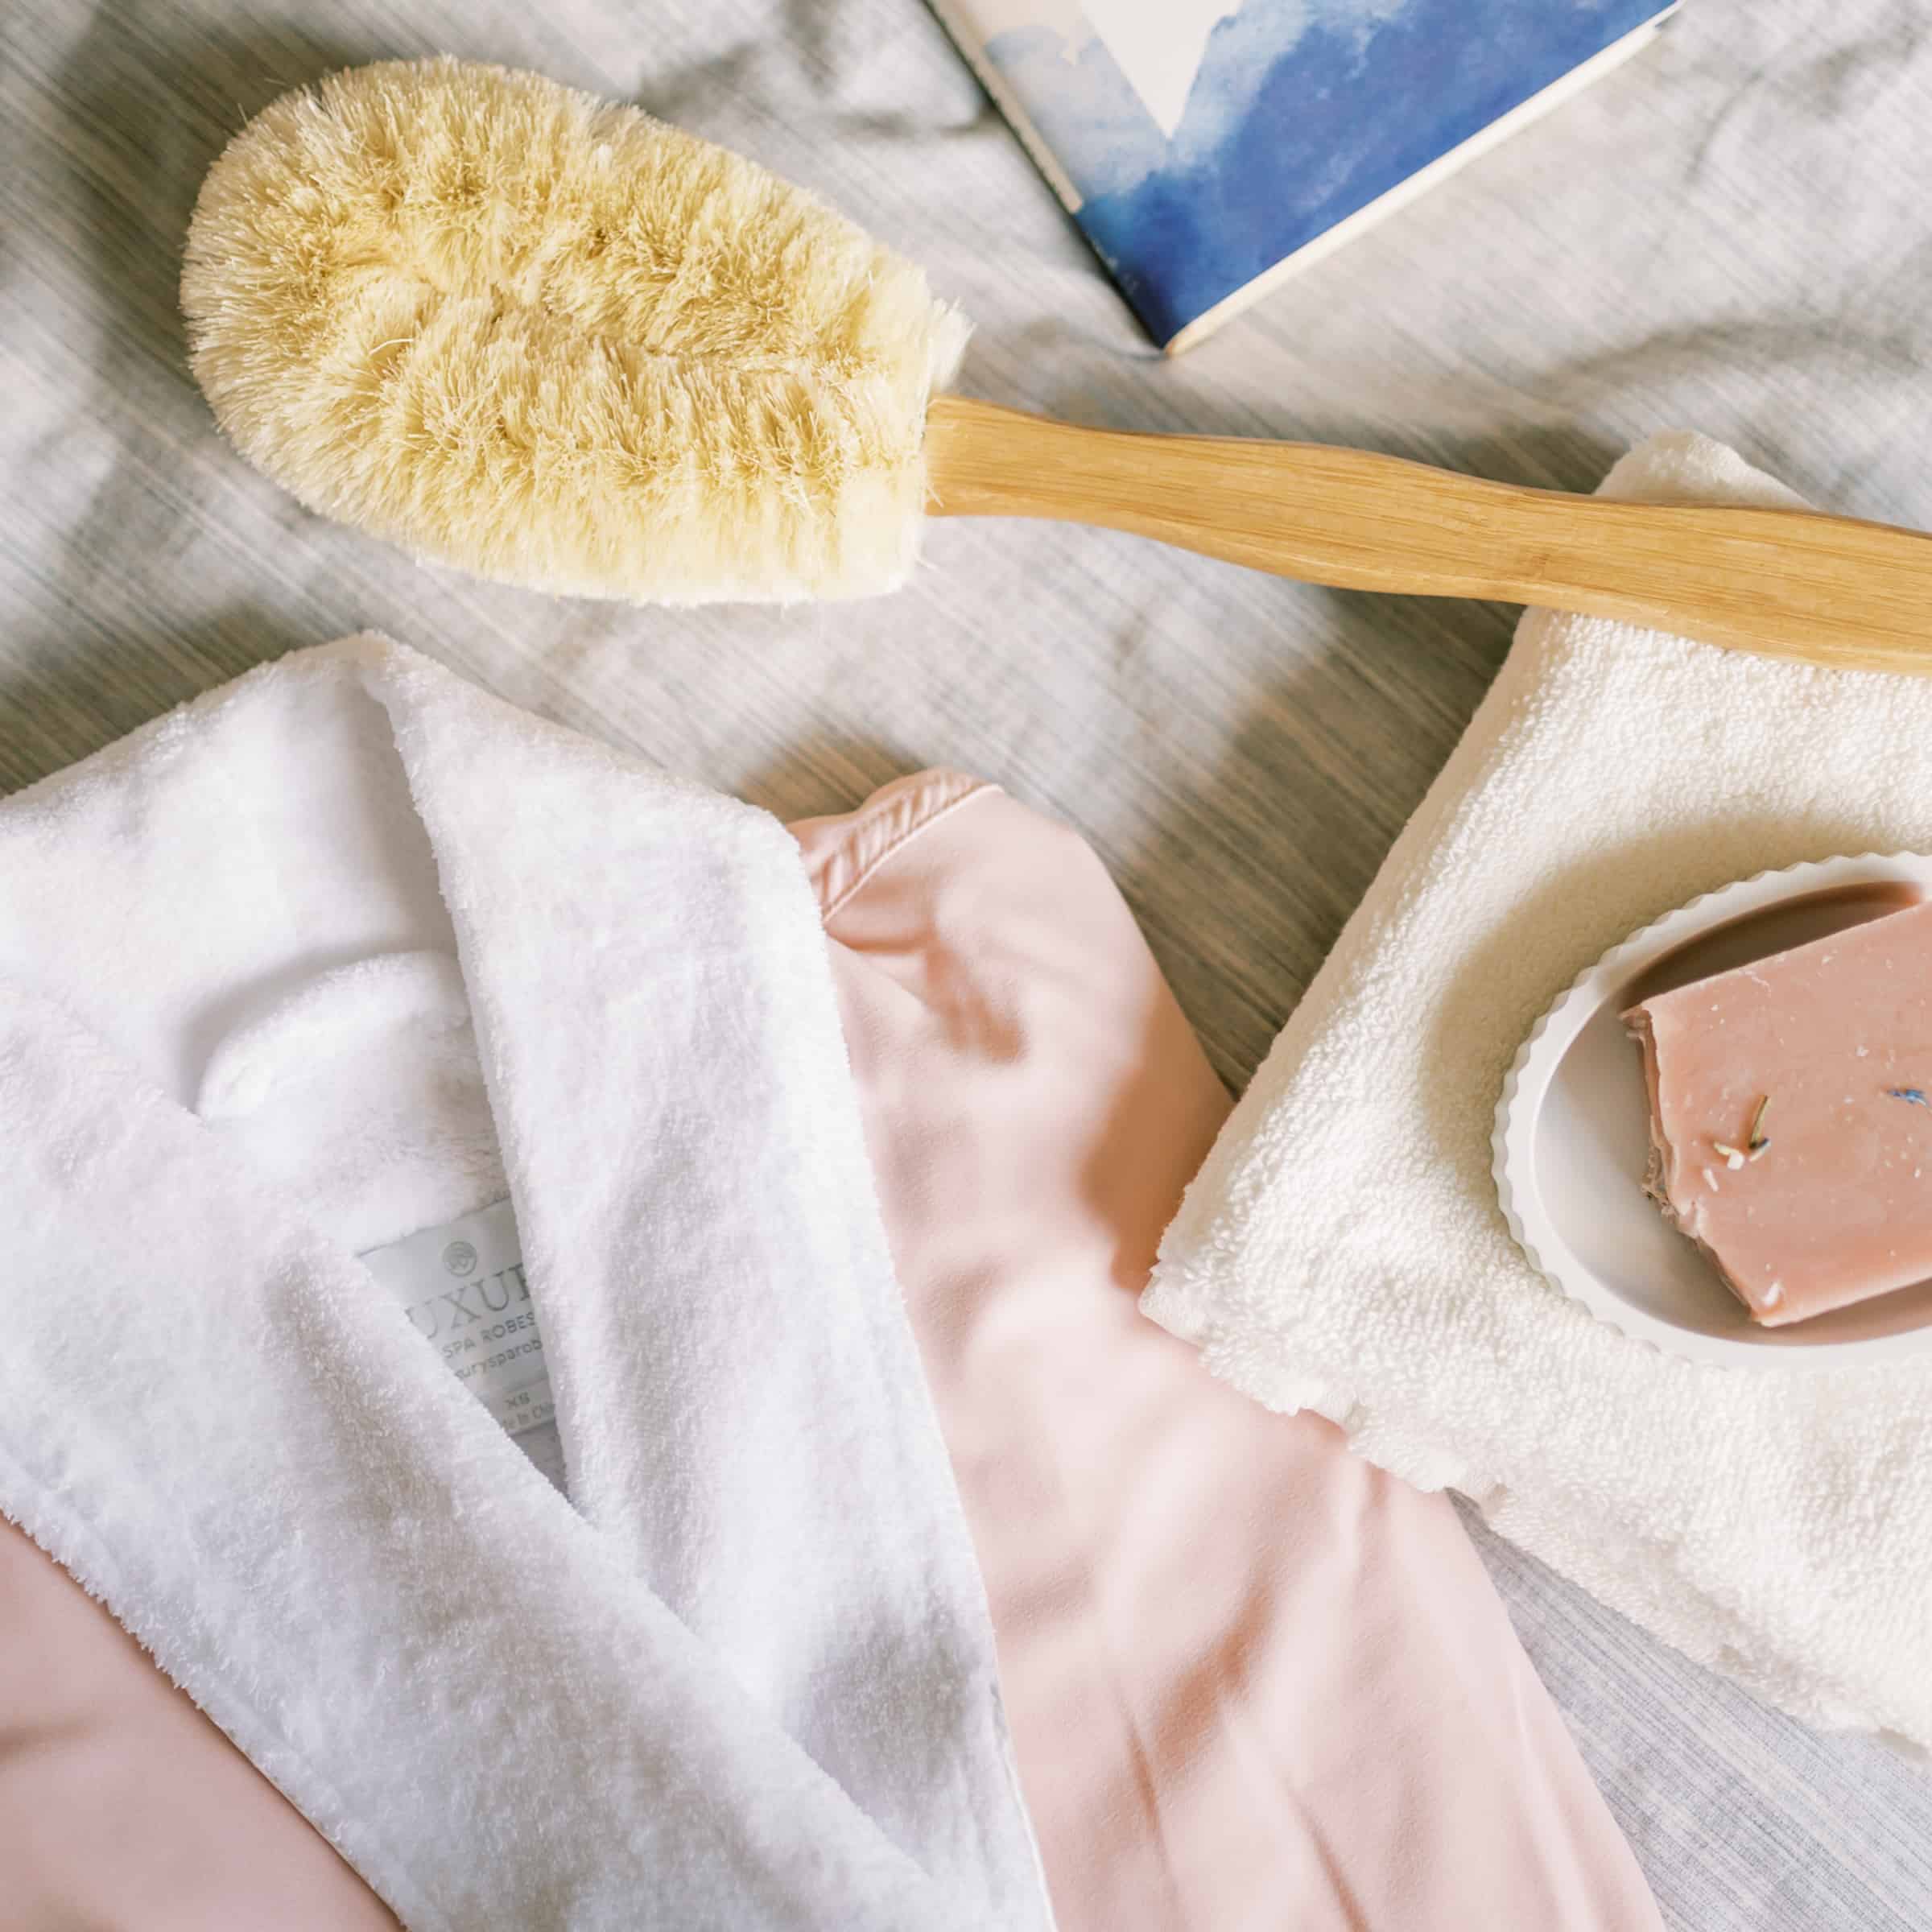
point(1836, 1206)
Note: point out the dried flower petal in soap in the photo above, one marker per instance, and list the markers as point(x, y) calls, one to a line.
point(1841, 1031)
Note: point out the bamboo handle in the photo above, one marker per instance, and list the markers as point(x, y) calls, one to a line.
point(1787, 583)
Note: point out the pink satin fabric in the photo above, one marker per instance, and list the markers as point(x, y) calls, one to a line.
point(1253, 1682)
point(122, 1809)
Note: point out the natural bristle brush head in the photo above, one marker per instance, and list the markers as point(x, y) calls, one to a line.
point(544, 338)
point(548, 340)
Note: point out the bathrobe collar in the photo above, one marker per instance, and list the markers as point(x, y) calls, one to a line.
point(750, 1678)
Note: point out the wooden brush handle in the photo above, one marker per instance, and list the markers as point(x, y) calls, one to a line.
point(1787, 583)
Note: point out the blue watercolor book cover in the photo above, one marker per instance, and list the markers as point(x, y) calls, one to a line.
point(1206, 146)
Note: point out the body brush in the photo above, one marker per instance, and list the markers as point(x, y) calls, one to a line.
point(549, 340)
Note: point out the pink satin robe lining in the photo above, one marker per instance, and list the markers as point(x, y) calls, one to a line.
point(1251, 1681)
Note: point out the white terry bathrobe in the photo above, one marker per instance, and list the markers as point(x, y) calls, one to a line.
point(348, 950)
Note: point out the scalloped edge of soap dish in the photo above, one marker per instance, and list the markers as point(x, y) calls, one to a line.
point(1519, 1106)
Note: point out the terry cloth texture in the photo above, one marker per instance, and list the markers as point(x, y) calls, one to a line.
point(749, 1680)
point(1343, 1250)
point(1198, 1608)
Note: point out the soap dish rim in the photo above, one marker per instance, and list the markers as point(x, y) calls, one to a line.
point(1513, 1136)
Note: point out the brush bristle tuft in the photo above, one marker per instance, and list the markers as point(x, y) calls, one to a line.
point(549, 340)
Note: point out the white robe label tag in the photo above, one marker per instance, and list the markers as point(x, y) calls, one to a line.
point(463, 1287)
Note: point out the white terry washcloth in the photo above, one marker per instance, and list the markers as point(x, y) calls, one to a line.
point(348, 948)
point(1343, 1250)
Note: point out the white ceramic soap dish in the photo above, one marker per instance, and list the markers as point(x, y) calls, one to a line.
point(1572, 1130)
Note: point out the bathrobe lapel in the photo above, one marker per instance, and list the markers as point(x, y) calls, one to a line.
point(749, 1679)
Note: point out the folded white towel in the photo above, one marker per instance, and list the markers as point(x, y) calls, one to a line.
point(1343, 1250)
